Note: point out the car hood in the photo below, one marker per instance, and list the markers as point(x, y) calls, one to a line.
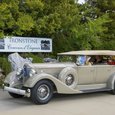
point(50, 68)
point(51, 65)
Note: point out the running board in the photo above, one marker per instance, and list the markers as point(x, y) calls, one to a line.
point(95, 90)
point(92, 86)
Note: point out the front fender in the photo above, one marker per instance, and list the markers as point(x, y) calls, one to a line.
point(61, 87)
point(10, 77)
point(13, 80)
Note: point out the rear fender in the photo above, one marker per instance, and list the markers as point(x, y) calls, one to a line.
point(111, 82)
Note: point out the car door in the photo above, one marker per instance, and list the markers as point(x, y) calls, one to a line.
point(103, 72)
point(113, 69)
point(86, 75)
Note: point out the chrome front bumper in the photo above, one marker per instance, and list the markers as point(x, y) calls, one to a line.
point(17, 91)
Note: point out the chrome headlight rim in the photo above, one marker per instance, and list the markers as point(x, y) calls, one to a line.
point(32, 72)
point(19, 72)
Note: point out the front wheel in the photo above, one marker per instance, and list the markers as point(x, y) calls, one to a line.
point(42, 92)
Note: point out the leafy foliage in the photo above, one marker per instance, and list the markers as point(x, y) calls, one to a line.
point(5, 65)
point(70, 25)
point(106, 7)
point(35, 57)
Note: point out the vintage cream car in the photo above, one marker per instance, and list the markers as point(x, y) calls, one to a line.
point(41, 80)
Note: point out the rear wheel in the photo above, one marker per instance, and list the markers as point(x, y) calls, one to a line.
point(42, 92)
point(15, 95)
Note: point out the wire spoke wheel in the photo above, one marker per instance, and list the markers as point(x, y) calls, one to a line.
point(42, 92)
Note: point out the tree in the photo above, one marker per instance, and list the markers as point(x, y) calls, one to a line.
point(13, 21)
point(70, 25)
point(57, 20)
point(90, 27)
point(106, 7)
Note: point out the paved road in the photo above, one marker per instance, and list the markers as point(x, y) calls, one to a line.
point(86, 104)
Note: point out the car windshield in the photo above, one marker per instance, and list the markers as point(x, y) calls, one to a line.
point(66, 58)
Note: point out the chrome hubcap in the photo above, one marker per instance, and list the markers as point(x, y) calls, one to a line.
point(43, 92)
point(69, 80)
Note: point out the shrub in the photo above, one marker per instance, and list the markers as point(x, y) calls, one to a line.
point(1, 79)
point(5, 65)
point(35, 57)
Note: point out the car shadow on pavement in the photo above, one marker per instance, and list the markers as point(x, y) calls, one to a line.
point(73, 97)
point(6, 98)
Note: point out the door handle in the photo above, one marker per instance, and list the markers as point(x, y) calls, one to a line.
point(92, 70)
point(109, 69)
point(113, 67)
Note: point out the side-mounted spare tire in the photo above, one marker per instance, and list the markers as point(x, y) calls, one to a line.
point(68, 76)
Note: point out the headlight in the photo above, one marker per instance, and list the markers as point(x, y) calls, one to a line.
point(19, 71)
point(32, 72)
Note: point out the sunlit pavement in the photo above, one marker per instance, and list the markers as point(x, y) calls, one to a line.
point(84, 104)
